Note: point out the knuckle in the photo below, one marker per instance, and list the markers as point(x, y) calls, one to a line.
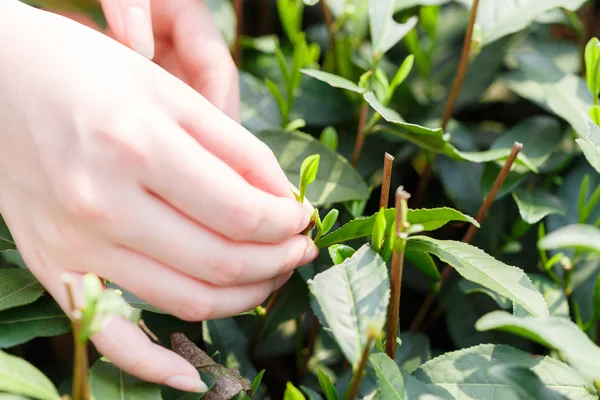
point(122, 139)
point(82, 199)
point(228, 272)
point(194, 310)
point(245, 220)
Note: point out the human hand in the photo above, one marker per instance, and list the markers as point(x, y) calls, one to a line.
point(111, 165)
point(180, 36)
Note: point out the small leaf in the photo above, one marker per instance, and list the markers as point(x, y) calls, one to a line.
point(327, 386)
point(312, 395)
point(394, 383)
point(536, 204)
point(591, 146)
point(592, 60)
point(18, 287)
point(329, 221)
point(19, 377)
point(256, 382)
point(594, 114)
point(291, 393)
point(109, 382)
point(579, 236)
point(385, 31)
point(333, 80)
point(402, 72)
point(524, 382)
point(340, 252)
point(475, 265)
point(378, 230)
point(553, 332)
point(350, 299)
point(329, 138)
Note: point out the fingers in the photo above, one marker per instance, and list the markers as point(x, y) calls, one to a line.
point(131, 22)
point(196, 251)
point(194, 181)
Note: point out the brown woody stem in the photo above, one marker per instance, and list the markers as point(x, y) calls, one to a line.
point(357, 377)
point(330, 31)
point(360, 135)
point(481, 214)
point(463, 66)
point(239, 17)
point(396, 271)
point(388, 160)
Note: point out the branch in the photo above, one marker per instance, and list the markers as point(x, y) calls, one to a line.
point(388, 161)
point(360, 135)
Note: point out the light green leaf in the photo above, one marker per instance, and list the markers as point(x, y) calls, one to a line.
point(350, 299)
point(18, 287)
point(43, 318)
point(556, 333)
point(291, 393)
point(394, 383)
point(327, 386)
point(258, 108)
point(539, 80)
point(329, 221)
point(17, 376)
point(329, 137)
point(535, 204)
point(308, 173)
point(430, 218)
point(592, 58)
point(339, 252)
point(402, 72)
point(524, 382)
point(378, 230)
point(475, 265)
point(591, 146)
point(580, 236)
point(463, 373)
point(336, 180)
point(333, 80)
point(499, 19)
point(109, 382)
point(385, 31)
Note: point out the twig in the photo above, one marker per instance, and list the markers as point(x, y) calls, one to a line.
point(331, 33)
point(481, 214)
point(357, 377)
point(310, 347)
point(463, 66)
point(360, 138)
point(388, 161)
point(396, 272)
point(239, 17)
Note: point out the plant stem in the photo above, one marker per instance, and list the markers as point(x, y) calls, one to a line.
point(481, 214)
point(396, 271)
point(388, 161)
point(331, 34)
point(239, 17)
point(424, 182)
point(463, 66)
point(308, 350)
point(357, 377)
point(360, 139)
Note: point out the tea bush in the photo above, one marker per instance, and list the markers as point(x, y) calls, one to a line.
point(480, 117)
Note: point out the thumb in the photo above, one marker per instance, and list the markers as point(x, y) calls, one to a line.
point(131, 23)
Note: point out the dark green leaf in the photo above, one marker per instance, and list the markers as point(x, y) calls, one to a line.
point(475, 265)
point(320, 104)
point(19, 377)
point(395, 383)
point(423, 262)
point(576, 235)
point(291, 303)
point(336, 182)
point(18, 287)
point(43, 318)
point(414, 351)
point(597, 298)
point(6, 240)
point(333, 80)
point(109, 382)
point(350, 299)
point(135, 301)
point(524, 382)
point(311, 394)
point(258, 108)
point(535, 204)
point(327, 386)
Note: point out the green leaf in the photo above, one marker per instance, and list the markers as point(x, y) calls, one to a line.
point(44, 318)
point(350, 299)
point(109, 382)
point(402, 72)
point(339, 252)
point(594, 114)
point(292, 302)
point(378, 230)
point(535, 204)
point(423, 262)
point(327, 386)
point(413, 352)
point(393, 382)
point(524, 382)
point(258, 109)
point(539, 80)
point(290, 14)
point(499, 19)
point(291, 393)
point(475, 265)
point(18, 287)
point(312, 395)
point(17, 376)
point(591, 146)
point(89, 8)
point(556, 333)
point(336, 182)
point(597, 298)
point(6, 240)
point(333, 80)
point(430, 218)
point(329, 138)
point(592, 58)
point(385, 31)
point(308, 173)
point(464, 375)
point(468, 287)
point(329, 221)
point(579, 236)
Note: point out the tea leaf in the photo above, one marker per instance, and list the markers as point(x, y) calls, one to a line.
point(312, 395)
point(393, 382)
point(109, 382)
point(18, 287)
point(339, 252)
point(43, 318)
point(413, 352)
point(536, 204)
point(591, 146)
point(350, 299)
point(524, 382)
point(291, 303)
point(423, 262)
point(378, 230)
point(475, 265)
point(308, 173)
point(402, 72)
point(576, 235)
point(17, 376)
point(327, 386)
point(333, 80)
point(291, 393)
point(385, 31)
point(329, 221)
point(553, 332)
point(329, 138)
point(463, 373)
point(336, 182)
point(468, 287)
point(290, 14)
point(596, 298)
point(430, 218)
point(258, 109)
point(6, 240)
point(592, 60)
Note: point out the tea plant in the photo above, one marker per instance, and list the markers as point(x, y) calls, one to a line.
point(482, 118)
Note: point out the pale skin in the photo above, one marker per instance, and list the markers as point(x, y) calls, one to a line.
point(138, 171)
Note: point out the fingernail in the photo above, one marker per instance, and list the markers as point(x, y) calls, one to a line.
point(138, 27)
point(187, 384)
point(311, 253)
